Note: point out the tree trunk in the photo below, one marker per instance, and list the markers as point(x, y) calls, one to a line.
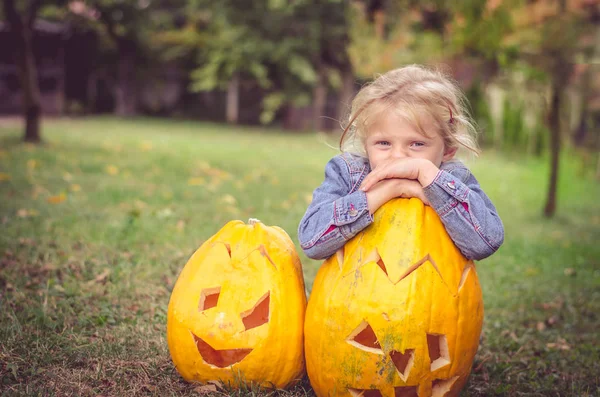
point(125, 91)
point(233, 99)
point(25, 60)
point(319, 99)
point(554, 125)
point(346, 94)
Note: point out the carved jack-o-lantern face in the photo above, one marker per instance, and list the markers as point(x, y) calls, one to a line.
point(238, 306)
point(397, 312)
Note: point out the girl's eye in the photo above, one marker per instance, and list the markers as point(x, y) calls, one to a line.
point(418, 144)
point(383, 143)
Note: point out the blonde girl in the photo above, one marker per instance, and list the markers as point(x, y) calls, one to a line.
point(402, 136)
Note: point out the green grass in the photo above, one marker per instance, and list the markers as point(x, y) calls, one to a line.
point(85, 281)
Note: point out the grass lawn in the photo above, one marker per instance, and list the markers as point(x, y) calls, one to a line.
point(96, 224)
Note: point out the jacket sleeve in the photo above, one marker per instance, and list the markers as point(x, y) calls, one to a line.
point(335, 215)
point(467, 213)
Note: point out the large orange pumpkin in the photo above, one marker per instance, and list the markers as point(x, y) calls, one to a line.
point(237, 310)
point(397, 312)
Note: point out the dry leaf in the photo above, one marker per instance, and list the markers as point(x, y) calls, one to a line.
point(180, 225)
point(75, 187)
point(561, 344)
point(24, 213)
point(205, 389)
point(540, 326)
point(216, 383)
point(4, 177)
point(31, 164)
point(101, 278)
point(57, 199)
point(569, 271)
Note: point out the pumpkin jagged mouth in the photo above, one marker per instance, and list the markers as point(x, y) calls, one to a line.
point(219, 358)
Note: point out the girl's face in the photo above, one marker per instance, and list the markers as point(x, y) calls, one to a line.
point(393, 137)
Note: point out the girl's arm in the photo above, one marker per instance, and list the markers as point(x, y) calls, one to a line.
point(336, 214)
point(466, 211)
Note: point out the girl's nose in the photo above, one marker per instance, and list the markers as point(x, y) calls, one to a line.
point(399, 153)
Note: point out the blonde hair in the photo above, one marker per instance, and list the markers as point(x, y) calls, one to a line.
point(412, 91)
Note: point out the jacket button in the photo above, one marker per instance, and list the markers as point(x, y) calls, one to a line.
point(451, 185)
point(353, 212)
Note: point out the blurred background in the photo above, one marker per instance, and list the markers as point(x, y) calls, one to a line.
point(131, 131)
point(527, 66)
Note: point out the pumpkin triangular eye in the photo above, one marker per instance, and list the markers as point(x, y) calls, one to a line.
point(259, 314)
point(439, 354)
point(209, 298)
point(364, 338)
point(403, 362)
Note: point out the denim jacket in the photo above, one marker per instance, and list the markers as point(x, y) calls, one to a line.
point(339, 210)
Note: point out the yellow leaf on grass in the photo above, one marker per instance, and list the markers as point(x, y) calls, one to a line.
point(75, 187)
point(31, 164)
point(229, 199)
point(67, 177)
point(112, 170)
point(196, 181)
point(4, 177)
point(59, 198)
point(145, 146)
point(24, 213)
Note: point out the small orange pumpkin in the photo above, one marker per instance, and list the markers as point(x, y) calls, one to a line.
point(236, 313)
point(397, 312)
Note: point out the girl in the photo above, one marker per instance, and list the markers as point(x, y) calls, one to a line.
point(404, 130)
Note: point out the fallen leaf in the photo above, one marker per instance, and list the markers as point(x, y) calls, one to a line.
point(569, 271)
point(31, 164)
point(146, 146)
point(75, 187)
point(229, 199)
point(205, 389)
point(180, 225)
point(112, 170)
point(196, 181)
point(218, 384)
point(541, 326)
point(24, 213)
point(57, 199)
point(560, 345)
point(4, 177)
point(101, 278)
point(67, 177)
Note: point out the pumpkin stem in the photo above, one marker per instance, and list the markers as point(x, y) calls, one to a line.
point(253, 221)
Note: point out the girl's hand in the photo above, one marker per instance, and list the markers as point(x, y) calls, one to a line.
point(421, 170)
point(387, 189)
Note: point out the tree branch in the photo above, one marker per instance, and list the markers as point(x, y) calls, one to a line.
point(34, 7)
